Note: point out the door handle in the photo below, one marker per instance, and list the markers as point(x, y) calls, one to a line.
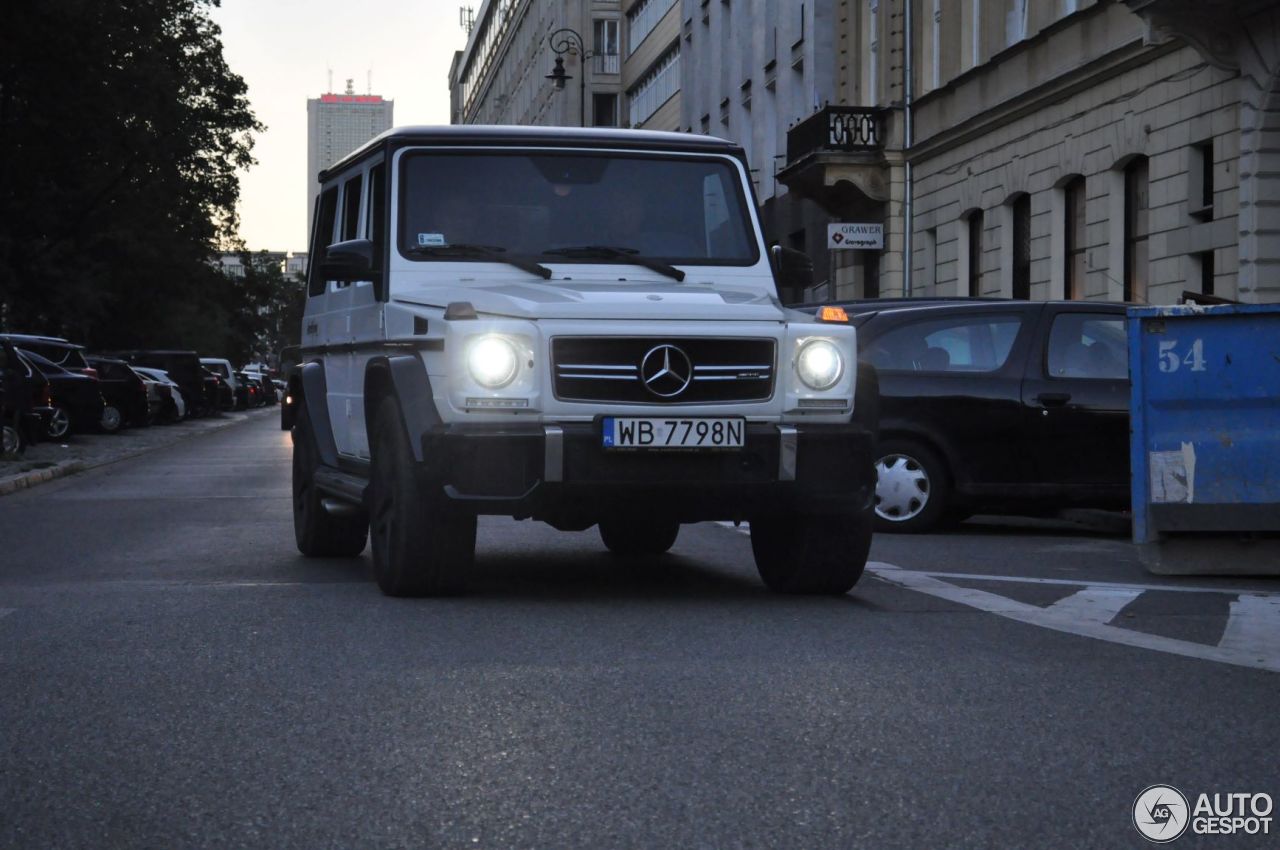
point(1053, 399)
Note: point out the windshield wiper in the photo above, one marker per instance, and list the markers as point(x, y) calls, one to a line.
point(487, 251)
point(631, 255)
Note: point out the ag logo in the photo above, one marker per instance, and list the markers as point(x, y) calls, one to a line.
point(1161, 813)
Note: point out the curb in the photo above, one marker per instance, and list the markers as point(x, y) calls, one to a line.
point(63, 468)
point(39, 476)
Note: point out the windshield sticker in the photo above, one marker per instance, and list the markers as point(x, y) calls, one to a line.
point(431, 239)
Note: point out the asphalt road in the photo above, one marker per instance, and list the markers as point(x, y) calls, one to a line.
point(173, 674)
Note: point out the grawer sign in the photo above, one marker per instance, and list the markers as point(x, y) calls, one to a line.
point(849, 236)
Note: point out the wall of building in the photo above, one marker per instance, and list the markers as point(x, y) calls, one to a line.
point(639, 62)
point(1083, 96)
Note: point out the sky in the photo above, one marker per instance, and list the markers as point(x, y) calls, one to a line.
point(284, 49)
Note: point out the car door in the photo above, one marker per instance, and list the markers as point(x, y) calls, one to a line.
point(952, 377)
point(1077, 397)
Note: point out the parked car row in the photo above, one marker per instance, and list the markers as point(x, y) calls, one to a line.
point(50, 388)
point(1003, 406)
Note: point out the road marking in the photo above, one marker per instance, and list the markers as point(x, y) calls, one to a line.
point(1253, 626)
point(1258, 645)
point(1082, 582)
point(1095, 604)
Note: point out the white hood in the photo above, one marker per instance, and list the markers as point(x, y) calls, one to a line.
point(594, 298)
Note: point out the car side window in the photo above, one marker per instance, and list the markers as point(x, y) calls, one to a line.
point(1088, 345)
point(326, 215)
point(973, 344)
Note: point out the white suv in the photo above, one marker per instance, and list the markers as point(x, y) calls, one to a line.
point(579, 327)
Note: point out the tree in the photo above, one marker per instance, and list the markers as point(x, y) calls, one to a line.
point(121, 132)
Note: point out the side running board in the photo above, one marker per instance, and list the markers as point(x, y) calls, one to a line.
point(341, 485)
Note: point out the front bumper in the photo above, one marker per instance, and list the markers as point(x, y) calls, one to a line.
point(562, 473)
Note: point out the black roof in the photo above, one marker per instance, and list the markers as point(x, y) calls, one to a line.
point(485, 134)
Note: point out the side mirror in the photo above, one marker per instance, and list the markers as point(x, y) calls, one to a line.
point(350, 260)
point(793, 269)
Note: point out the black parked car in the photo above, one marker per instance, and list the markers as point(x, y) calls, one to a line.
point(1003, 406)
point(23, 396)
point(55, 349)
point(76, 399)
point(185, 369)
point(123, 390)
point(218, 393)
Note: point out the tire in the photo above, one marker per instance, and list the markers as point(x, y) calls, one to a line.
point(318, 534)
point(59, 424)
point(638, 537)
point(422, 544)
point(913, 487)
point(810, 554)
point(111, 419)
point(11, 443)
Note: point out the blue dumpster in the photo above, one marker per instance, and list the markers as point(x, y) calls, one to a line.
point(1205, 438)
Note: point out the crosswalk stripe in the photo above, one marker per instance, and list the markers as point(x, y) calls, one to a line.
point(1253, 626)
point(1095, 604)
point(1261, 652)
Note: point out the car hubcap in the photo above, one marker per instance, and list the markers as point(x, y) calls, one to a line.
point(10, 440)
point(902, 488)
point(59, 423)
point(110, 419)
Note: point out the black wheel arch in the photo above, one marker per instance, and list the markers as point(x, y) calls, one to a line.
point(402, 377)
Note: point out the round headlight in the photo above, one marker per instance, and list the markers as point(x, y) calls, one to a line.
point(493, 362)
point(819, 364)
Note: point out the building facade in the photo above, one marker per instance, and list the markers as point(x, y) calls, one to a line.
point(754, 70)
point(337, 124)
point(619, 63)
point(1093, 149)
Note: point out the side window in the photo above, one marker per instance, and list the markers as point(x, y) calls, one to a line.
point(376, 228)
point(351, 208)
point(326, 216)
point(972, 344)
point(1088, 345)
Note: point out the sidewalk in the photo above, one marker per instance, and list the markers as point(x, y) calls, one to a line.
point(49, 460)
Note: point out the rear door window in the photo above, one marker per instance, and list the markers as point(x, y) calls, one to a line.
point(1088, 345)
point(972, 344)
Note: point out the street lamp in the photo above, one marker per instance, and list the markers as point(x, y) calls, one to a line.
point(568, 41)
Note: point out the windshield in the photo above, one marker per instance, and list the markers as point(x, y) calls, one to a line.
point(574, 208)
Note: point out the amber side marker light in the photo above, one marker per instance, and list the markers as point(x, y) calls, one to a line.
point(833, 314)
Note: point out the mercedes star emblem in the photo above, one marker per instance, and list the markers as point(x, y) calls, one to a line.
point(666, 371)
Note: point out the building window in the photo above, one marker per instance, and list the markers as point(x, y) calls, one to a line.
point(606, 50)
point(1200, 190)
point(604, 110)
point(872, 93)
point(1074, 253)
point(1022, 247)
point(1136, 229)
point(935, 47)
point(1206, 273)
point(975, 33)
point(656, 87)
point(642, 18)
point(976, 224)
point(1015, 27)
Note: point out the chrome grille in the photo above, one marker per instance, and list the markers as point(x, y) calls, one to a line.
point(711, 370)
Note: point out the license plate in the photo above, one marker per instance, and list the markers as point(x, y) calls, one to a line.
point(673, 433)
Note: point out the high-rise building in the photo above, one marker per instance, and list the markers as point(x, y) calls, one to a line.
point(337, 124)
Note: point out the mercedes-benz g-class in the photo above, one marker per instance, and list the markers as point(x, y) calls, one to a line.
point(579, 327)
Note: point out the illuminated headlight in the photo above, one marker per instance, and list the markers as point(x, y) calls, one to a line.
point(819, 364)
point(493, 362)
